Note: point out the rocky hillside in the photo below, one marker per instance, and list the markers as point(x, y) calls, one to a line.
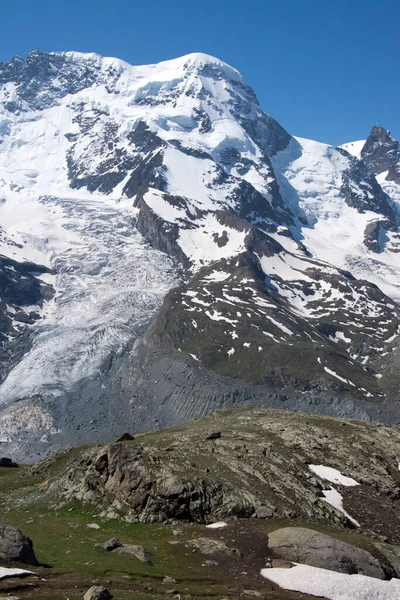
point(239, 463)
point(214, 507)
point(200, 255)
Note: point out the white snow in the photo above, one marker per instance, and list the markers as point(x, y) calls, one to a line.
point(335, 499)
point(310, 176)
point(6, 572)
point(334, 374)
point(354, 148)
point(108, 283)
point(217, 525)
point(332, 585)
point(332, 475)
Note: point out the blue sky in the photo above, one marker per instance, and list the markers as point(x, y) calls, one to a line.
point(325, 69)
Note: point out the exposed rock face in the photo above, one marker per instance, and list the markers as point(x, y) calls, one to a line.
point(381, 152)
point(309, 547)
point(22, 295)
point(362, 191)
point(15, 546)
point(259, 466)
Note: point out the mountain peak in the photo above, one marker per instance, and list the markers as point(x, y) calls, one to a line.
point(379, 135)
point(381, 153)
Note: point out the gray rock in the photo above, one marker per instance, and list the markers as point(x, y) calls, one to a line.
point(15, 546)
point(310, 547)
point(263, 512)
point(112, 544)
point(392, 555)
point(138, 551)
point(97, 592)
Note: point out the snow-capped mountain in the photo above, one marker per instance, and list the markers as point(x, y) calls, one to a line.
point(117, 183)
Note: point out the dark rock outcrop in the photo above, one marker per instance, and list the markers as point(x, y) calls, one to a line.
point(381, 152)
point(8, 463)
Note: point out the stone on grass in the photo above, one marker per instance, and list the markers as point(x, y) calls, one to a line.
point(15, 546)
point(112, 544)
point(97, 592)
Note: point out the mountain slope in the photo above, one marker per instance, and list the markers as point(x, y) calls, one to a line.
point(125, 181)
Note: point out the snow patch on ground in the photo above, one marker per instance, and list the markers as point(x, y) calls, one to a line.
point(332, 585)
point(217, 525)
point(6, 572)
point(332, 475)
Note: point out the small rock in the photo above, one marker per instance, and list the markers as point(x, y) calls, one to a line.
point(263, 512)
point(112, 544)
point(97, 592)
point(214, 436)
point(177, 532)
point(280, 563)
point(168, 579)
point(210, 563)
point(93, 526)
point(252, 593)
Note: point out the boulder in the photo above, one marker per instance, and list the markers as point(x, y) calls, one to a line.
point(112, 544)
point(138, 551)
point(97, 592)
point(310, 547)
point(15, 546)
point(8, 462)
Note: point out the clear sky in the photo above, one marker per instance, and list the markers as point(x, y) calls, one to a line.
point(325, 69)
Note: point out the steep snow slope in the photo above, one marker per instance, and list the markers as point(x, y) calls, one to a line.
point(354, 148)
point(96, 153)
point(335, 223)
